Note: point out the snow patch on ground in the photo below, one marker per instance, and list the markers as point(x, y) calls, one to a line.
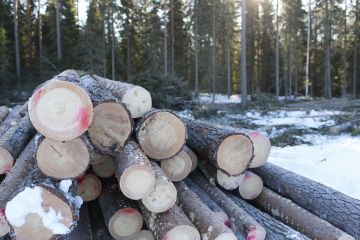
point(30, 201)
point(219, 98)
point(332, 161)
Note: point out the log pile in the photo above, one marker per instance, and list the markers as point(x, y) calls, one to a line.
point(89, 158)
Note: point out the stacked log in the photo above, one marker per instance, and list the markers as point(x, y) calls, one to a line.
point(4, 111)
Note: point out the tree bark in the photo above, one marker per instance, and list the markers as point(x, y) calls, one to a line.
point(298, 218)
point(242, 220)
point(308, 46)
point(243, 55)
point(164, 195)
point(4, 111)
point(58, 30)
point(40, 39)
point(275, 230)
point(133, 168)
point(13, 141)
point(170, 224)
point(209, 225)
point(277, 80)
point(98, 227)
point(356, 44)
point(137, 99)
point(13, 118)
point(230, 151)
point(16, 36)
point(161, 134)
point(119, 211)
point(332, 206)
point(213, 50)
point(345, 66)
point(196, 50)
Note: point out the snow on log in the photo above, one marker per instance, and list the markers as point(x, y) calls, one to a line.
point(12, 119)
point(134, 172)
point(13, 141)
point(82, 231)
point(4, 111)
point(161, 134)
point(298, 218)
point(60, 110)
point(251, 187)
point(143, 235)
point(42, 208)
point(228, 150)
point(169, 225)
point(214, 207)
point(209, 225)
point(98, 226)
point(164, 195)
point(338, 209)
point(104, 169)
point(177, 167)
point(137, 99)
point(275, 230)
point(244, 223)
point(121, 216)
point(226, 181)
point(63, 160)
point(89, 187)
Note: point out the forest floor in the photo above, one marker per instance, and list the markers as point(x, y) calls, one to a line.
point(317, 139)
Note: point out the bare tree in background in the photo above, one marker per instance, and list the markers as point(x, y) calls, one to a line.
point(196, 50)
point(277, 51)
point(356, 30)
point(308, 46)
point(243, 54)
point(344, 81)
point(58, 30)
point(214, 51)
point(16, 33)
point(327, 27)
point(40, 38)
point(112, 41)
point(165, 40)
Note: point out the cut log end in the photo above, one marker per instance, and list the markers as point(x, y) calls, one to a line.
point(162, 135)
point(137, 181)
point(251, 186)
point(262, 147)
point(89, 187)
point(111, 126)
point(62, 160)
point(226, 236)
point(6, 161)
point(143, 235)
point(193, 157)
point(104, 169)
point(60, 110)
point(256, 233)
point(224, 218)
point(37, 213)
point(229, 182)
point(125, 223)
point(234, 154)
point(182, 232)
point(138, 101)
point(4, 226)
point(162, 198)
point(178, 167)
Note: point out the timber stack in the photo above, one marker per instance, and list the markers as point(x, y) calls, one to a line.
point(89, 158)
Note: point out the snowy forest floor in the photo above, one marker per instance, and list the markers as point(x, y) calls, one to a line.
point(317, 139)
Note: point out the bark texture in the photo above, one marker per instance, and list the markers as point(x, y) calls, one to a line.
point(242, 220)
point(199, 214)
point(98, 227)
point(12, 119)
point(332, 206)
point(4, 111)
point(82, 231)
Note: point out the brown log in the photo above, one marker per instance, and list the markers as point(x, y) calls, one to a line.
point(228, 150)
point(242, 220)
point(177, 167)
point(121, 216)
point(298, 218)
point(338, 209)
point(82, 231)
point(13, 141)
point(209, 225)
point(137, 99)
point(161, 134)
point(63, 160)
point(169, 225)
point(89, 187)
point(104, 169)
point(98, 226)
point(164, 195)
point(143, 235)
point(97, 158)
point(193, 157)
point(60, 110)
point(226, 181)
point(134, 172)
point(214, 207)
point(275, 230)
point(4, 111)
point(251, 187)
point(42, 208)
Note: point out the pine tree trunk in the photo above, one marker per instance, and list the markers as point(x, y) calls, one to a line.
point(112, 41)
point(242, 220)
point(277, 80)
point(128, 55)
point(308, 46)
point(40, 39)
point(356, 44)
point(196, 49)
point(209, 225)
point(214, 51)
point(345, 66)
point(16, 33)
point(166, 64)
point(243, 55)
point(275, 230)
point(336, 208)
point(58, 30)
